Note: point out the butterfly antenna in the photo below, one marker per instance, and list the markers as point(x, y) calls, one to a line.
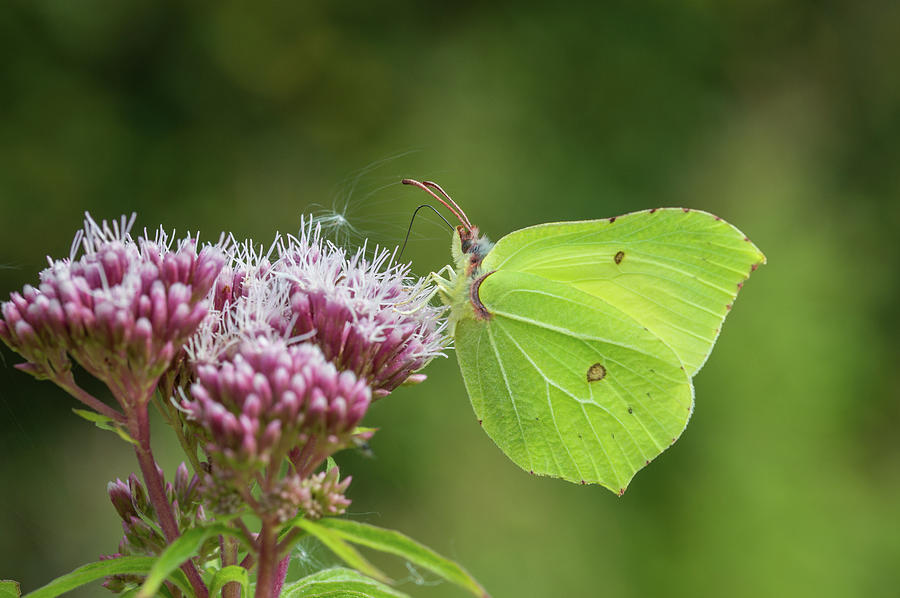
point(450, 199)
point(424, 205)
point(454, 209)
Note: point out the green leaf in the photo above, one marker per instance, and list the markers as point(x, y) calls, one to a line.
point(178, 552)
point(339, 582)
point(228, 575)
point(330, 464)
point(394, 542)
point(9, 589)
point(134, 565)
point(104, 423)
point(133, 592)
point(334, 543)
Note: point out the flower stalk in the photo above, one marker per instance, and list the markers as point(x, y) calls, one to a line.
point(140, 431)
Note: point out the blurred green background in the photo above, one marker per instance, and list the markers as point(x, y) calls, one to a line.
point(781, 117)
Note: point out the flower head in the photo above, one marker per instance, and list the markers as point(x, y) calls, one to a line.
point(322, 495)
point(268, 397)
point(140, 537)
point(121, 310)
point(366, 313)
point(319, 495)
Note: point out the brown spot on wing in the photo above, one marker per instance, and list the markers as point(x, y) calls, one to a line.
point(596, 372)
point(620, 255)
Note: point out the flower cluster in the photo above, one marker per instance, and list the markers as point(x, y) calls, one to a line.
point(365, 313)
point(269, 397)
point(319, 495)
point(323, 494)
point(289, 360)
point(266, 362)
point(143, 539)
point(121, 310)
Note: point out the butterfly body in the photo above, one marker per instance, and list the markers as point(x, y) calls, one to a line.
point(468, 250)
point(578, 341)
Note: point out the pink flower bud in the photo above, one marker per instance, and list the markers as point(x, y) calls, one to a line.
point(367, 315)
point(275, 391)
point(96, 309)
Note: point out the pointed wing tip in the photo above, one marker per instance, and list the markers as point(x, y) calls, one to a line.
point(617, 487)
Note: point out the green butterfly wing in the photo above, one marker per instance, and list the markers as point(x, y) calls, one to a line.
point(583, 368)
point(527, 372)
point(675, 271)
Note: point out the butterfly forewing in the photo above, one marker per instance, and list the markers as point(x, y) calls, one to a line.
point(569, 385)
point(674, 271)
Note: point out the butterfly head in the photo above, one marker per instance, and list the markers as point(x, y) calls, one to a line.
point(468, 249)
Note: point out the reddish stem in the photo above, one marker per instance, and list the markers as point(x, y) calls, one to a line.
point(266, 574)
point(140, 430)
point(248, 562)
point(67, 383)
point(307, 459)
point(229, 550)
point(280, 575)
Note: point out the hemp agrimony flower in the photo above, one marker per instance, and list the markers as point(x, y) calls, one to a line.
point(364, 312)
point(269, 397)
point(264, 362)
point(121, 310)
point(142, 539)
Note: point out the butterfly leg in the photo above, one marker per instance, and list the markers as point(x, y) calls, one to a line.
point(441, 285)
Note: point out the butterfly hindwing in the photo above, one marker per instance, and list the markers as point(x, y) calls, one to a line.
point(675, 271)
point(567, 384)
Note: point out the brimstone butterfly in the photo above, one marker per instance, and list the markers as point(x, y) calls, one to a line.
point(577, 341)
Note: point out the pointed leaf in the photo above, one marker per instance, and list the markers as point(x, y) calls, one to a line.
point(104, 423)
point(134, 565)
point(179, 551)
point(394, 542)
point(346, 552)
point(340, 582)
point(133, 592)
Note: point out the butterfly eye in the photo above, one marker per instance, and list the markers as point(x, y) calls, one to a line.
point(596, 372)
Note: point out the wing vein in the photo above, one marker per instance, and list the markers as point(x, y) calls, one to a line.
point(548, 383)
point(512, 398)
